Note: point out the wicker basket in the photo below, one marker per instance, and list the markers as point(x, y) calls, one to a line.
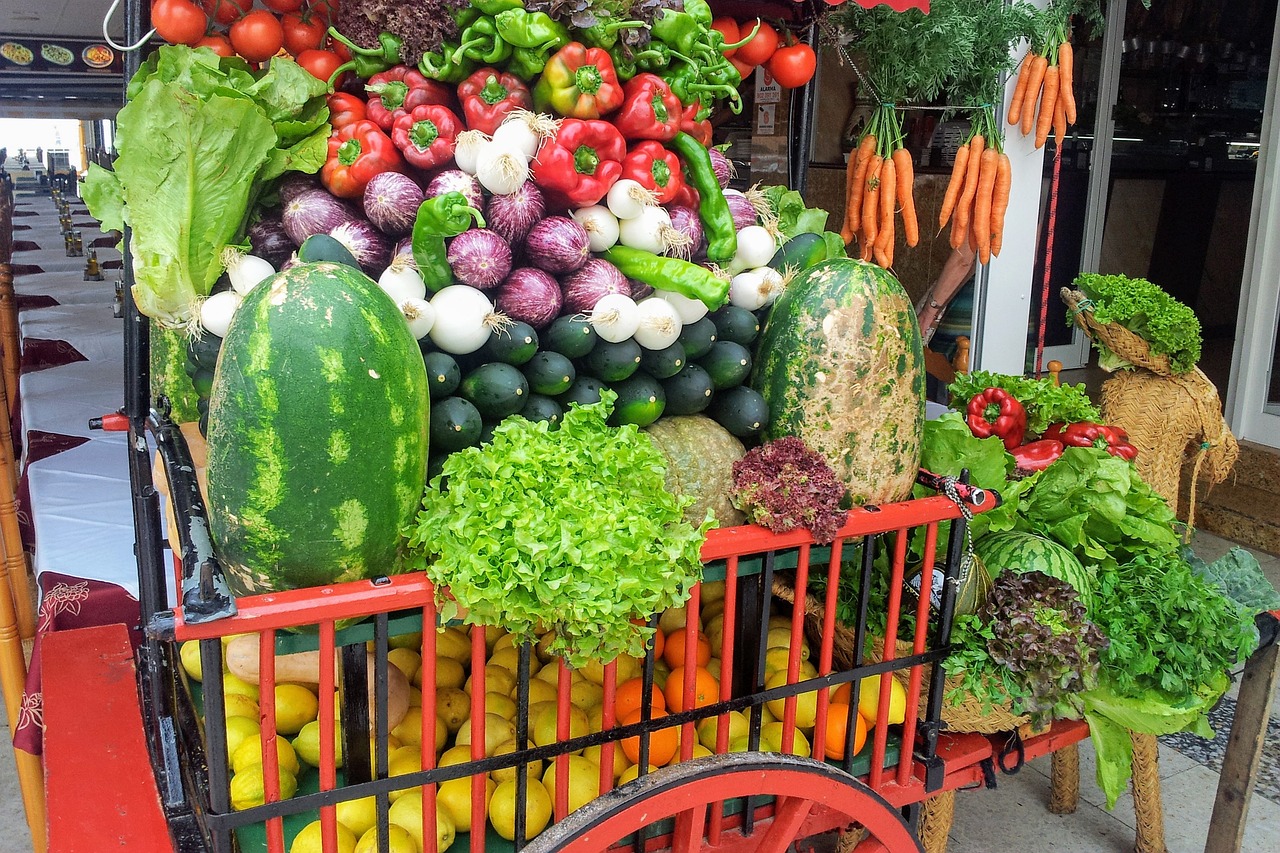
point(1114, 337)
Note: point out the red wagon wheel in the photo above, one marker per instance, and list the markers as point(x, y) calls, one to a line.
point(809, 797)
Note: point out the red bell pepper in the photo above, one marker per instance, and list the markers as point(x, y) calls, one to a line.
point(579, 165)
point(650, 110)
point(579, 82)
point(426, 135)
point(686, 196)
point(699, 130)
point(1037, 455)
point(344, 109)
point(1112, 439)
point(994, 411)
point(488, 95)
point(654, 168)
point(357, 152)
point(400, 89)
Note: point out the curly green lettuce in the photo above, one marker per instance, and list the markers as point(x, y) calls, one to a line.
point(1168, 326)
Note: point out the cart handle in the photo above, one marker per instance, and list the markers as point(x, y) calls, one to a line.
point(956, 488)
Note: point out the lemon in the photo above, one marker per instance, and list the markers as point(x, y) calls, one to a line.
point(492, 634)
point(620, 760)
point(454, 755)
point(737, 725)
point(539, 691)
point(586, 694)
point(247, 790)
point(497, 679)
point(310, 840)
point(415, 697)
point(295, 707)
point(412, 640)
point(239, 705)
point(238, 730)
point(399, 841)
point(496, 730)
point(632, 773)
point(454, 796)
point(410, 730)
point(503, 706)
point(672, 618)
point(509, 659)
point(357, 815)
point(406, 660)
point(307, 745)
point(806, 703)
point(402, 762)
point(449, 673)
point(189, 653)
point(543, 723)
point(869, 700)
point(584, 781)
point(502, 810)
point(503, 774)
point(454, 706)
point(249, 753)
point(506, 641)
point(543, 647)
point(771, 740)
point(406, 813)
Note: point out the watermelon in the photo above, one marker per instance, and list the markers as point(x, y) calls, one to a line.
point(317, 432)
point(170, 373)
point(1017, 551)
point(840, 364)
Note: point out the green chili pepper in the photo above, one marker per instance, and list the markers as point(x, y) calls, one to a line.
point(493, 7)
point(690, 86)
point(446, 215)
point(674, 274)
point(440, 65)
point(606, 34)
point(481, 43)
point(678, 30)
point(527, 63)
point(366, 61)
point(531, 30)
point(700, 11)
point(624, 63)
point(713, 210)
point(658, 57)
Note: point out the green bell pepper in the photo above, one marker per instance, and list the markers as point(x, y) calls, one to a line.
point(444, 216)
point(700, 11)
point(531, 30)
point(493, 7)
point(713, 210)
point(605, 34)
point(678, 30)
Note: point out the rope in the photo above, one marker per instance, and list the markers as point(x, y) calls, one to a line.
point(1048, 259)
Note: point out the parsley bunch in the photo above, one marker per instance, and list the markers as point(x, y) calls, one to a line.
point(1168, 326)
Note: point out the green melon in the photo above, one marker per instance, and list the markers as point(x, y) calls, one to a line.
point(700, 455)
point(841, 366)
point(1017, 551)
point(317, 433)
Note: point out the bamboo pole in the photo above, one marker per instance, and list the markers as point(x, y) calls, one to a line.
point(15, 557)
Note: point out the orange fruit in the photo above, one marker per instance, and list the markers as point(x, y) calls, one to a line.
point(706, 690)
point(629, 695)
point(842, 693)
point(659, 643)
point(837, 730)
point(673, 651)
point(663, 743)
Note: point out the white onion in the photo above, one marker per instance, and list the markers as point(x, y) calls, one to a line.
point(401, 280)
point(216, 312)
point(649, 230)
point(756, 247)
point(601, 226)
point(659, 323)
point(627, 199)
point(773, 284)
point(466, 149)
point(245, 271)
point(420, 315)
point(524, 131)
point(689, 310)
point(748, 290)
point(615, 318)
point(501, 169)
point(464, 319)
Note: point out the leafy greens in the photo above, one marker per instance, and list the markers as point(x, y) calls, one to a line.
point(1045, 402)
point(1168, 326)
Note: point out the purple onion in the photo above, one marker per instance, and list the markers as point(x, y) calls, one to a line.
point(313, 212)
point(744, 212)
point(269, 241)
point(369, 246)
point(456, 180)
point(530, 295)
point(512, 215)
point(687, 222)
point(403, 247)
point(640, 290)
point(480, 258)
point(391, 202)
point(295, 184)
point(290, 262)
point(722, 166)
point(558, 244)
point(584, 288)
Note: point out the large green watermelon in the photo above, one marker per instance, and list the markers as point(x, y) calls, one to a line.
point(317, 432)
point(841, 366)
point(1018, 551)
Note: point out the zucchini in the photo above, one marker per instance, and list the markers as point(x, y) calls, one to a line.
point(549, 373)
point(322, 247)
point(799, 253)
point(455, 424)
point(728, 364)
point(542, 408)
point(664, 363)
point(641, 401)
point(496, 390)
point(570, 336)
point(584, 391)
point(697, 338)
point(443, 374)
point(741, 411)
point(737, 324)
point(514, 345)
point(613, 362)
point(689, 391)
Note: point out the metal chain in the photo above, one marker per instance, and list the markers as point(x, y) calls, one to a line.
point(966, 562)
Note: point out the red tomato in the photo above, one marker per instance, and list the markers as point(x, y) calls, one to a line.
point(793, 66)
point(324, 9)
point(321, 63)
point(218, 43)
point(283, 5)
point(744, 70)
point(303, 33)
point(728, 28)
point(179, 21)
point(257, 36)
point(339, 48)
point(761, 47)
point(226, 11)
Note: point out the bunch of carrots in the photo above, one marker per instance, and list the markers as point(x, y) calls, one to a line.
point(977, 195)
point(880, 179)
point(1042, 98)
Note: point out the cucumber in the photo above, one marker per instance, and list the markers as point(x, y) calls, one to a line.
point(689, 391)
point(741, 411)
point(455, 424)
point(322, 247)
point(697, 338)
point(736, 324)
point(542, 408)
point(549, 373)
point(663, 363)
point(728, 364)
point(800, 252)
point(443, 374)
point(569, 336)
point(613, 362)
point(203, 351)
point(584, 391)
point(496, 390)
point(202, 381)
point(641, 401)
point(513, 345)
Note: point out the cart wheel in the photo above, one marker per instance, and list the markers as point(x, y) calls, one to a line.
point(810, 797)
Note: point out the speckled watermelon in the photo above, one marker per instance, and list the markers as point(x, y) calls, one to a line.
point(317, 432)
point(841, 366)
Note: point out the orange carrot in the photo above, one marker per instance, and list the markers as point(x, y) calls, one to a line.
point(964, 207)
point(1059, 116)
point(888, 201)
point(982, 204)
point(954, 185)
point(847, 230)
point(889, 245)
point(1039, 68)
point(1044, 121)
point(1020, 89)
point(1066, 79)
point(858, 161)
point(1000, 202)
point(906, 195)
point(871, 202)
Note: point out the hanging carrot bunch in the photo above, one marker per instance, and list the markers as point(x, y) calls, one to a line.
point(977, 195)
point(1043, 99)
point(880, 181)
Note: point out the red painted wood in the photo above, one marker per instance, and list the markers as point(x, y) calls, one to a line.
point(789, 815)
point(94, 735)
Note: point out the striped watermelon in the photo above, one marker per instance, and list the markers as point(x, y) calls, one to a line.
point(169, 375)
point(1016, 551)
point(317, 432)
point(841, 366)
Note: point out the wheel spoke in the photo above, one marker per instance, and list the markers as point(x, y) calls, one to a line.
point(789, 814)
point(688, 834)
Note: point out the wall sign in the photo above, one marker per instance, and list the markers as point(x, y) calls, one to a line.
point(28, 55)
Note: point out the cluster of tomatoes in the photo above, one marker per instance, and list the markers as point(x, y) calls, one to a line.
point(790, 62)
point(257, 33)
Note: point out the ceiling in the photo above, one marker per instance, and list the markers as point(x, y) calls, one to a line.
point(60, 18)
